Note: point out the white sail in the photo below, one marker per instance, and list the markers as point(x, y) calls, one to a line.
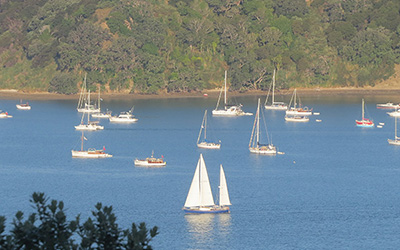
point(206, 197)
point(200, 190)
point(193, 197)
point(223, 189)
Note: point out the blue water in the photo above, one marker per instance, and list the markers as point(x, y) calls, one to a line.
point(336, 187)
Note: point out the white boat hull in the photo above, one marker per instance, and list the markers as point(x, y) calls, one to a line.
point(394, 114)
point(207, 210)
point(85, 110)
point(5, 116)
point(299, 113)
point(394, 142)
point(274, 107)
point(265, 150)
point(23, 107)
point(101, 115)
point(123, 120)
point(89, 127)
point(89, 154)
point(297, 119)
point(209, 145)
point(145, 163)
point(387, 106)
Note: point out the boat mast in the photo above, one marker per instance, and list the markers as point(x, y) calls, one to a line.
point(201, 128)
point(273, 88)
point(99, 100)
point(295, 97)
point(258, 121)
point(82, 141)
point(395, 128)
point(225, 88)
point(205, 125)
point(362, 109)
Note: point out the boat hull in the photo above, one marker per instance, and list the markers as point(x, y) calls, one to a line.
point(297, 119)
point(394, 142)
point(89, 127)
point(144, 163)
point(275, 107)
point(101, 115)
point(365, 123)
point(209, 145)
point(87, 154)
point(227, 113)
point(210, 210)
point(123, 120)
point(84, 110)
point(23, 107)
point(387, 106)
point(263, 150)
point(394, 114)
point(300, 113)
point(5, 116)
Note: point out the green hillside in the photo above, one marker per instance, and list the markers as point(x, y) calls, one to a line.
point(155, 46)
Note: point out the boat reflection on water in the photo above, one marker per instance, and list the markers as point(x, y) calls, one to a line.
point(205, 229)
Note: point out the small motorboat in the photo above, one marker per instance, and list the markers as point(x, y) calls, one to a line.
point(151, 161)
point(4, 114)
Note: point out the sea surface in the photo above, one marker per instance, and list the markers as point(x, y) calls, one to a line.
point(336, 187)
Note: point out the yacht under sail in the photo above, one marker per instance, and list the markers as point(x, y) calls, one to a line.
point(200, 198)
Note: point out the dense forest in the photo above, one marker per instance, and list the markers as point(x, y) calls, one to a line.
point(158, 46)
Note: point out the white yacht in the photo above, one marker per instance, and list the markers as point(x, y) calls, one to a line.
point(274, 105)
point(228, 110)
point(124, 117)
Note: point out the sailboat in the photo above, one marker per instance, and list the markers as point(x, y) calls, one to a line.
point(228, 110)
point(99, 114)
point(91, 125)
point(254, 144)
point(205, 143)
point(90, 153)
point(200, 198)
point(274, 105)
point(23, 106)
point(364, 121)
point(84, 101)
point(297, 111)
point(396, 140)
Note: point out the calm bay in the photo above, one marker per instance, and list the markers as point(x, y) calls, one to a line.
point(336, 186)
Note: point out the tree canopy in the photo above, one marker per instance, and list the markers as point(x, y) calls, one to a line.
point(142, 46)
point(48, 228)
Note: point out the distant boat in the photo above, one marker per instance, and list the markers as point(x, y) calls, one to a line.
point(388, 105)
point(151, 161)
point(228, 110)
point(254, 145)
point(90, 125)
point(4, 114)
point(396, 140)
point(204, 143)
point(90, 153)
point(200, 198)
point(296, 118)
point(364, 122)
point(274, 105)
point(124, 117)
point(23, 106)
point(84, 104)
point(395, 113)
point(100, 114)
point(297, 110)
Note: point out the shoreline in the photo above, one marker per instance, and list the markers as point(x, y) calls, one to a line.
point(15, 94)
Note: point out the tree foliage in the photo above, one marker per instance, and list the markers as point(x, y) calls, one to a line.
point(48, 228)
point(154, 46)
